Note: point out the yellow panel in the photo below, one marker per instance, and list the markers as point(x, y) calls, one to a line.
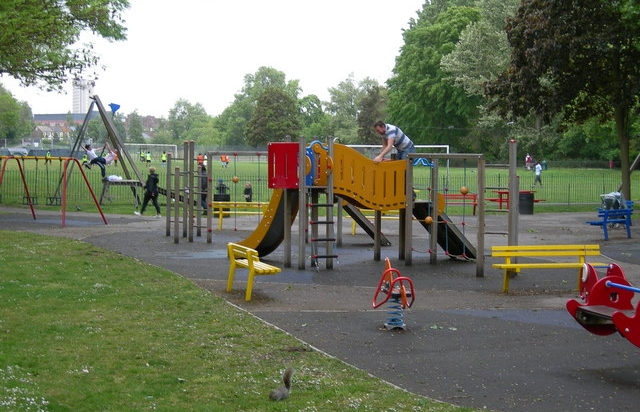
point(374, 186)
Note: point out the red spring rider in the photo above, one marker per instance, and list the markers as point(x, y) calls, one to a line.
point(394, 289)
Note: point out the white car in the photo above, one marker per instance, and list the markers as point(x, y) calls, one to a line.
point(18, 151)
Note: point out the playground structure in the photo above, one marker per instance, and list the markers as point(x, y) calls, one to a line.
point(132, 177)
point(66, 167)
point(59, 196)
point(606, 304)
point(340, 172)
point(184, 209)
point(398, 290)
point(66, 163)
point(337, 172)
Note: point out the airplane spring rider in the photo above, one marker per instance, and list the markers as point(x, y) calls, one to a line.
point(393, 288)
point(605, 305)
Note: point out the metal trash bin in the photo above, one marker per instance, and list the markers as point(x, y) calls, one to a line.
point(526, 203)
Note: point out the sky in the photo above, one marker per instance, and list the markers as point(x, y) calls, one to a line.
point(201, 50)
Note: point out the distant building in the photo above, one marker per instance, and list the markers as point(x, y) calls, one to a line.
point(55, 124)
point(60, 119)
point(82, 90)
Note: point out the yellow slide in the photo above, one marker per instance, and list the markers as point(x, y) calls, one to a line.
point(270, 231)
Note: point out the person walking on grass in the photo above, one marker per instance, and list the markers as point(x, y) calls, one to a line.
point(150, 192)
point(538, 171)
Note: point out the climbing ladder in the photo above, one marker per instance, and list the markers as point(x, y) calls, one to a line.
point(322, 245)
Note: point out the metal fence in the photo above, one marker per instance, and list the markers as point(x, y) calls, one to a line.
point(44, 182)
point(577, 189)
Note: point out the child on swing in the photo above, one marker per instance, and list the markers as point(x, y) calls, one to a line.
point(94, 159)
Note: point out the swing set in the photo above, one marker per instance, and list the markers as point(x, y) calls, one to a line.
point(58, 197)
point(31, 201)
point(133, 178)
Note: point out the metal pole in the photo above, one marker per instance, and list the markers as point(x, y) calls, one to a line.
point(481, 223)
point(302, 207)
point(514, 194)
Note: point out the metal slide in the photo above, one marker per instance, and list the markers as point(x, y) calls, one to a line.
point(451, 240)
point(270, 231)
point(364, 222)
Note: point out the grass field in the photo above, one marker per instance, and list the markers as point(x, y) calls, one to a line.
point(85, 329)
point(564, 190)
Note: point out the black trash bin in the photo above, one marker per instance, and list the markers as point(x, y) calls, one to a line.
point(221, 197)
point(526, 203)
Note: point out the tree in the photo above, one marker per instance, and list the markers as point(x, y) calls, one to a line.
point(97, 131)
point(16, 119)
point(343, 109)
point(372, 107)
point(315, 122)
point(276, 115)
point(38, 38)
point(576, 59)
point(188, 121)
point(231, 123)
point(422, 99)
point(482, 52)
point(134, 128)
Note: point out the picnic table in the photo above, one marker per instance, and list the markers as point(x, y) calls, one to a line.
point(503, 197)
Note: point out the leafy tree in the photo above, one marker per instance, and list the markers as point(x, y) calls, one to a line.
point(590, 140)
point(267, 78)
point(276, 115)
point(15, 117)
point(372, 107)
point(188, 121)
point(97, 131)
point(38, 38)
point(422, 99)
point(313, 118)
point(231, 123)
point(577, 59)
point(343, 109)
point(134, 128)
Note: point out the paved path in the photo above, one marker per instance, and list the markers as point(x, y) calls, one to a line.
point(466, 343)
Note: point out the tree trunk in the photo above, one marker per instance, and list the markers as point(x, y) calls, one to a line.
point(622, 129)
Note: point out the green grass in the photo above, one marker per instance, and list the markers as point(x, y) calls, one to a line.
point(85, 329)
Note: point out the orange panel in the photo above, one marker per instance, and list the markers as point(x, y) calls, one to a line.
point(375, 186)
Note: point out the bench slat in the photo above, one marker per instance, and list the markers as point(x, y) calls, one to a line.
point(614, 216)
point(580, 252)
point(547, 253)
point(546, 265)
point(546, 247)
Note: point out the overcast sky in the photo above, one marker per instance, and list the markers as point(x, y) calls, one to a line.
point(200, 50)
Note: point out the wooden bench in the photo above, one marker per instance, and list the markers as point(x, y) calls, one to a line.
point(244, 257)
point(609, 217)
point(511, 253)
point(458, 199)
